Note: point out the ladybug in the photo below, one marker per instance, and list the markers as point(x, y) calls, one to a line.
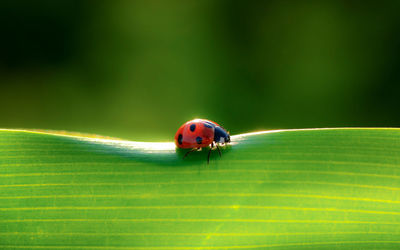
point(201, 133)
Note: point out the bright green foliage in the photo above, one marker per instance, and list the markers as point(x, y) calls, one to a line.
point(322, 188)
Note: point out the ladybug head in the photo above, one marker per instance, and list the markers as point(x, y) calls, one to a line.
point(220, 135)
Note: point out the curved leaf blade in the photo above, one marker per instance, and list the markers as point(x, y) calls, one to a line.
point(296, 188)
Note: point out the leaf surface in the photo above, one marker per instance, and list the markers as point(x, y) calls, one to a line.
point(296, 189)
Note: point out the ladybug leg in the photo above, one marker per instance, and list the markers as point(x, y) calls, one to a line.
point(219, 151)
point(209, 152)
point(208, 158)
point(188, 152)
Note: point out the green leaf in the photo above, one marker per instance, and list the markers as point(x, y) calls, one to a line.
point(317, 188)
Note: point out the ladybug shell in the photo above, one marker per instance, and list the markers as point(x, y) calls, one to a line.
point(197, 133)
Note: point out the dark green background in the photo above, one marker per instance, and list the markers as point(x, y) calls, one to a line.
point(139, 69)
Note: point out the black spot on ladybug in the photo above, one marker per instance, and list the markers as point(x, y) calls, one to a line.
point(192, 127)
point(199, 140)
point(207, 125)
point(180, 137)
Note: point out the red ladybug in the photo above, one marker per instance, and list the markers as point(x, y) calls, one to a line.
point(200, 133)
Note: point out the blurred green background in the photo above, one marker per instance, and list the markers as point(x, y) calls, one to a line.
point(139, 69)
